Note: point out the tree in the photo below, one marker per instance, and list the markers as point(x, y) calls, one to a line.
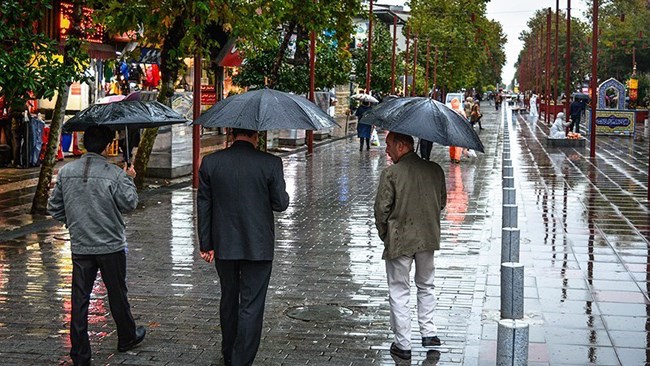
point(470, 46)
point(382, 59)
point(532, 57)
point(332, 67)
point(31, 68)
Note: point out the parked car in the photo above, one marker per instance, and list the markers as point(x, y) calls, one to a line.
point(451, 96)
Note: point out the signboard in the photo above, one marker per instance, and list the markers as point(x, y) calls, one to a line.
point(208, 95)
point(613, 122)
point(94, 32)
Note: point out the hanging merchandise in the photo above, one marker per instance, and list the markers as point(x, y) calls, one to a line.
point(109, 70)
point(124, 70)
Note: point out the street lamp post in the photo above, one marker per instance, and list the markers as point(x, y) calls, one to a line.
point(567, 87)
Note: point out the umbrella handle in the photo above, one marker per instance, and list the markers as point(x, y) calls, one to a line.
point(126, 145)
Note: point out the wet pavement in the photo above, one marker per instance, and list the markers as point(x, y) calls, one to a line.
point(584, 228)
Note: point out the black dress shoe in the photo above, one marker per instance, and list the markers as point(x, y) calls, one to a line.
point(430, 341)
point(139, 337)
point(400, 353)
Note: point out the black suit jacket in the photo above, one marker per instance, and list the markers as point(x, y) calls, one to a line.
point(239, 188)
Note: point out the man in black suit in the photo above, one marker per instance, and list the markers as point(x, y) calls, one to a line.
point(239, 188)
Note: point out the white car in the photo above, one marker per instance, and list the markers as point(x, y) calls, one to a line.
point(450, 96)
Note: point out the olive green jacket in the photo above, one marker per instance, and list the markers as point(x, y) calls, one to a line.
point(410, 198)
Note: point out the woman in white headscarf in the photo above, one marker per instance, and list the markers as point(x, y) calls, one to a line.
point(533, 106)
point(558, 130)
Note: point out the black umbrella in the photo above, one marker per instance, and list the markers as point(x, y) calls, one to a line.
point(266, 109)
point(124, 114)
point(424, 118)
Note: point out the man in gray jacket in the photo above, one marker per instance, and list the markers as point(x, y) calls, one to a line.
point(239, 188)
point(410, 198)
point(89, 197)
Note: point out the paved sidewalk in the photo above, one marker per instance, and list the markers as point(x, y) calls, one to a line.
point(584, 246)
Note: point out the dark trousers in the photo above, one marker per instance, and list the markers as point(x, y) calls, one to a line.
point(84, 273)
point(241, 311)
point(575, 123)
point(361, 140)
point(425, 149)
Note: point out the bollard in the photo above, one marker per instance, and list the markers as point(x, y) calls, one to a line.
point(509, 244)
point(512, 343)
point(509, 196)
point(509, 218)
point(507, 162)
point(512, 290)
point(646, 128)
point(507, 171)
point(508, 182)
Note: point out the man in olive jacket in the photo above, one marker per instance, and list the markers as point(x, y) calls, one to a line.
point(410, 198)
point(239, 188)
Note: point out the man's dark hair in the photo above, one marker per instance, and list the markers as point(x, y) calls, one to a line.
point(240, 131)
point(405, 139)
point(96, 138)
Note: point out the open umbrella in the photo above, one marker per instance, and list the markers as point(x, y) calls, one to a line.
point(266, 109)
point(424, 118)
point(124, 114)
point(366, 98)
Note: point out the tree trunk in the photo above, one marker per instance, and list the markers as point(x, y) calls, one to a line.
point(169, 68)
point(275, 70)
point(39, 204)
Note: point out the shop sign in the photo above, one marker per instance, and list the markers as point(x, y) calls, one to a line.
point(94, 32)
point(208, 95)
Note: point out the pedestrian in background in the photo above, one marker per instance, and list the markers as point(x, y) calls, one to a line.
point(90, 196)
point(575, 110)
point(239, 188)
point(455, 152)
point(363, 130)
point(425, 149)
point(410, 197)
point(476, 115)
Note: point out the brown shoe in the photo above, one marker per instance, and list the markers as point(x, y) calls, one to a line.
point(400, 353)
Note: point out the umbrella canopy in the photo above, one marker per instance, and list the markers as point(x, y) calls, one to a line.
point(581, 96)
point(366, 98)
point(131, 114)
point(424, 118)
point(266, 109)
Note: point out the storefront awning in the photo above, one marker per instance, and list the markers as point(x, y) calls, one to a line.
point(229, 55)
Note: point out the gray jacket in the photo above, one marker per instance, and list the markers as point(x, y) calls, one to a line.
point(90, 197)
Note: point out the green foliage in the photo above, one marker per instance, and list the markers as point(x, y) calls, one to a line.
point(624, 29)
point(332, 67)
point(580, 52)
point(29, 61)
point(471, 47)
point(382, 58)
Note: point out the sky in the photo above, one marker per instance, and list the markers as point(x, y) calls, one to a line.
point(513, 16)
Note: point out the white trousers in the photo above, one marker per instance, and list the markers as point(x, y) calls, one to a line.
point(399, 291)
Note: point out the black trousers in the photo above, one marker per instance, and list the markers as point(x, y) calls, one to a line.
point(425, 149)
point(361, 141)
point(575, 123)
point(84, 273)
point(241, 311)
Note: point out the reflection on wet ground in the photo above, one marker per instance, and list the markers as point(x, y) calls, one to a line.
point(584, 228)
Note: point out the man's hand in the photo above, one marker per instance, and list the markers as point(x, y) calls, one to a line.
point(208, 256)
point(130, 171)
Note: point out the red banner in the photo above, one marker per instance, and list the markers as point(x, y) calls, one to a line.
point(208, 95)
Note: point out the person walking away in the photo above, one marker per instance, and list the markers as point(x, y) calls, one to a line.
point(575, 110)
point(239, 189)
point(467, 106)
point(425, 148)
point(90, 196)
point(363, 130)
point(497, 100)
point(476, 115)
point(454, 151)
point(410, 197)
